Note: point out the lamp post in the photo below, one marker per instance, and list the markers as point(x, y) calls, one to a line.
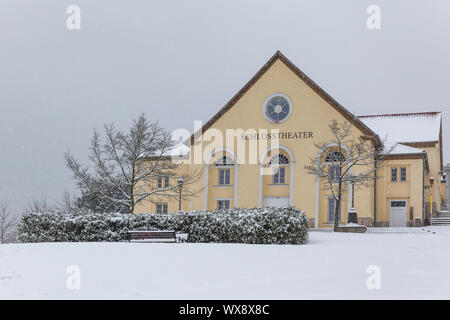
point(352, 214)
point(353, 193)
point(431, 195)
point(180, 187)
point(352, 182)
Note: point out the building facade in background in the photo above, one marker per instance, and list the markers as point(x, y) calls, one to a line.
point(446, 199)
point(281, 98)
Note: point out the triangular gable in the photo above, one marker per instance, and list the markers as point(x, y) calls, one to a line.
point(279, 56)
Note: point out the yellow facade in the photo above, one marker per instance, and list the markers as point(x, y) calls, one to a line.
point(411, 190)
point(311, 113)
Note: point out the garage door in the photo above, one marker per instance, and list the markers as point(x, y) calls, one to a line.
point(398, 212)
point(277, 202)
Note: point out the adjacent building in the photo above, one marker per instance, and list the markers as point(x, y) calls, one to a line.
point(445, 179)
point(281, 114)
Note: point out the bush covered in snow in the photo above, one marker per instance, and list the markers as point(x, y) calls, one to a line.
point(257, 226)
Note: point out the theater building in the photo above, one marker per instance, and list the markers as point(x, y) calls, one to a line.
point(281, 104)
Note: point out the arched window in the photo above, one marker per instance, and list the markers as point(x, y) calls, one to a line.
point(335, 159)
point(335, 156)
point(224, 173)
point(279, 159)
point(224, 161)
point(279, 176)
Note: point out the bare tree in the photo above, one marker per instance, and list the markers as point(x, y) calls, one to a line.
point(94, 202)
point(67, 203)
point(346, 160)
point(130, 164)
point(39, 205)
point(8, 222)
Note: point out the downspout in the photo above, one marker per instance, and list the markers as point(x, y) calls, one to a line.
point(375, 176)
point(423, 193)
point(375, 195)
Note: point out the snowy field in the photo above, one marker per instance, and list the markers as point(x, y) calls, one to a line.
point(414, 264)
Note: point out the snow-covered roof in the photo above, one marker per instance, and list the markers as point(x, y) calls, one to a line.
point(405, 128)
point(397, 148)
point(178, 150)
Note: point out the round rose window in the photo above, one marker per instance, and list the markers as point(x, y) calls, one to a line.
point(277, 109)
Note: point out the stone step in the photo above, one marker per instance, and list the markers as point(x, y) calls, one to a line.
point(443, 213)
point(440, 221)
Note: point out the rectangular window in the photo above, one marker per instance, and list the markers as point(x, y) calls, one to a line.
point(403, 174)
point(393, 174)
point(334, 173)
point(398, 204)
point(162, 179)
point(161, 207)
point(223, 204)
point(224, 176)
point(331, 207)
point(279, 176)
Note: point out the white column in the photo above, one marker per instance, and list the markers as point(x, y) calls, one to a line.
point(316, 217)
point(260, 186)
point(205, 206)
point(350, 195)
point(236, 180)
point(291, 185)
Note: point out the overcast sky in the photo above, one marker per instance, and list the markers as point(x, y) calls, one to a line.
point(180, 61)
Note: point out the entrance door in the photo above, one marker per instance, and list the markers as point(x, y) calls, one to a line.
point(276, 202)
point(398, 213)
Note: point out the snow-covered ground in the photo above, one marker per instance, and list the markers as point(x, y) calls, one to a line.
point(414, 265)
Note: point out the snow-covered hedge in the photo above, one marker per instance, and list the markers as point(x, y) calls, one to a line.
point(258, 226)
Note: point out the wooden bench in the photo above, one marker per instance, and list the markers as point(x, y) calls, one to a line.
point(152, 236)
